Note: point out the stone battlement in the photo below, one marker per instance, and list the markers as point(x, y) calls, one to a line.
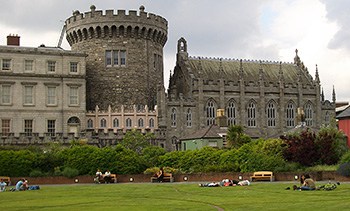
point(95, 24)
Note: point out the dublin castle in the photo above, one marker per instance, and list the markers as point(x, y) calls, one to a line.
point(112, 81)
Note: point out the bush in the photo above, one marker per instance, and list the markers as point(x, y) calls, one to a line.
point(345, 158)
point(322, 168)
point(344, 169)
point(36, 173)
point(70, 172)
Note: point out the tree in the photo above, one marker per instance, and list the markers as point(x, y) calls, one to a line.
point(136, 141)
point(235, 136)
point(301, 147)
point(331, 145)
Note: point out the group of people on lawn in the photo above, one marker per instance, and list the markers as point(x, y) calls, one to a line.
point(306, 183)
point(21, 185)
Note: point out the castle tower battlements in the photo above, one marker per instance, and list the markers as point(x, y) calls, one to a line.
point(95, 24)
point(124, 65)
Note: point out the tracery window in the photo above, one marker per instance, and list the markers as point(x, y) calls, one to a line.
point(251, 114)
point(103, 123)
point(116, 122)
point(128, 122)
point(231, 113)
point(90, 124)
point(308, 114)
point(140, 122)
point(271, 114)
point(151, 123)
point(189, 118)
point(290, 115)
point(173, 117)
point(210, 112)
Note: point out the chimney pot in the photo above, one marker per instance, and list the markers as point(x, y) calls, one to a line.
point(13, 40)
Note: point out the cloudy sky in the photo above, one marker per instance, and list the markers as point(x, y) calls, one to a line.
point(249, 29)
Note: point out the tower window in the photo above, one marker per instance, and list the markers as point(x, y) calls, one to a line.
point(115, 58)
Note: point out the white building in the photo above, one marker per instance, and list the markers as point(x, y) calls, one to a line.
point(42, 90)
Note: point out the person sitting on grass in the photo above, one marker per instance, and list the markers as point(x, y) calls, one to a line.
point(21, 185)
point(309, 184)
point(2, 185)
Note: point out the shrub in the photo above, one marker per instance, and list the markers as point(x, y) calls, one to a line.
point(344, 169)
point(36, 173)
point(345, 158)
point(70, 172)
point(322, 168)
point(57, 171)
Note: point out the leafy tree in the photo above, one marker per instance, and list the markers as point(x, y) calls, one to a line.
point(235, 136)
point(136, 141)
point(301, 147)
point(331, 145)
point(151, 155)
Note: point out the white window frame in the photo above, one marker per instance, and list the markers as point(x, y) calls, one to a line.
point(73, 96)
point(28, 130)
point(6, 64)
point(5, 126)
point(28, 95)
point(74, 67)
point(6, 94)
point(51, 127)
point(51, 98)
point(28, 63)
point(51, 66)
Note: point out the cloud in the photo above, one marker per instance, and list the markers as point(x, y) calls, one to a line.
point(250, 29)
point(339, 12)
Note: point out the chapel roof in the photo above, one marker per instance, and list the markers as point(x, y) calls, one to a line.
point(230, 69)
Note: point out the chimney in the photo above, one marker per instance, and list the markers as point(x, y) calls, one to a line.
point(13, 40)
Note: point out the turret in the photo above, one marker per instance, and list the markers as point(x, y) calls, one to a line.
point(124, 65)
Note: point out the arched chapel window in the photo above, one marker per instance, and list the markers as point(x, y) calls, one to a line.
point(271, 114)
point(103, 123)
point(308, 114)
point(140, 122)
point(189, 118)
point(327, 118)
point(251, 114)
point(128, 123)
point(173, 117)
point(231, 113)
point(116, 122)
point(151, 123)
point(210, 112)
point(290, 115)
point(90, 124)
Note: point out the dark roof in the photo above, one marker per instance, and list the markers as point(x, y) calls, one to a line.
point(344, 114)
point(212, 68)
point(212, 131)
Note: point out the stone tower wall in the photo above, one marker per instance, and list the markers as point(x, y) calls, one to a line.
point(141, 35)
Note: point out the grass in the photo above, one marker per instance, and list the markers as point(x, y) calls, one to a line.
point(175, 196)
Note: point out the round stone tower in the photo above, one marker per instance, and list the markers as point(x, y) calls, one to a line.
point(124, 65)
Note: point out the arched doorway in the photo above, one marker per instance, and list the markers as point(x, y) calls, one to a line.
point(74, 125)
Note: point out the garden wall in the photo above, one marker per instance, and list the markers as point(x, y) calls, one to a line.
point(203, 177)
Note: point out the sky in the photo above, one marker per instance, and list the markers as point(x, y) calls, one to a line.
point(250, 29)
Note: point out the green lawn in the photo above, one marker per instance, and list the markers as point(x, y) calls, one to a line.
point(175, 196)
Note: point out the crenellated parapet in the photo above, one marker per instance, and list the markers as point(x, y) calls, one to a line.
point(96, 24)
